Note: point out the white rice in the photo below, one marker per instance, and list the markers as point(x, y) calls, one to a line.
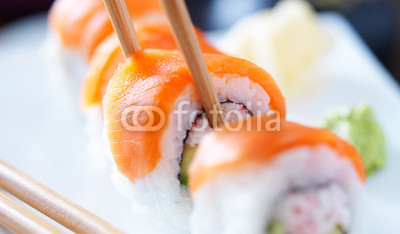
point(160, 192)
point(66, 66)
point(96, 147)
point(244, 201)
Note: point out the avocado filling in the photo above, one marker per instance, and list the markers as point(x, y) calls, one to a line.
point(187, 156)
point(201, 127)
point(323, 208)
point(359, 126)
point(277, 227)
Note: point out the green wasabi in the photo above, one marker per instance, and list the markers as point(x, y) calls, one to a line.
point(358, 125)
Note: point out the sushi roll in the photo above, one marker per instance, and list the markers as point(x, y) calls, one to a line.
point(77, 27)
point(82, 25)
point(286, 179)
point(151, 35)
point(151, 159)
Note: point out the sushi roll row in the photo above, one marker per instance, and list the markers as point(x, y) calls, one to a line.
point(258, 174)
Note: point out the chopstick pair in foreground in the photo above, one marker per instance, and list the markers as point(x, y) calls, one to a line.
point(20, 219)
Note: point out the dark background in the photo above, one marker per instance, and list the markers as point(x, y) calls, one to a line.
point(377, 21)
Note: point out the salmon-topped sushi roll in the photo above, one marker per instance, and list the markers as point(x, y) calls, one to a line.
point(154, 121)
point(285, 179)
point(151, 35)
point(83, 24)
point(77, 27)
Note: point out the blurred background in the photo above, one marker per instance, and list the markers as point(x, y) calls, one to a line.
point(377, 21)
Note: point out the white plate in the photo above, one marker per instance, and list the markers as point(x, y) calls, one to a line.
point(41, 129)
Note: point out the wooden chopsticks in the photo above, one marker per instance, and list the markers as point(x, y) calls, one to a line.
point(19, 219)
point(123, 25)
point(48, 202)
